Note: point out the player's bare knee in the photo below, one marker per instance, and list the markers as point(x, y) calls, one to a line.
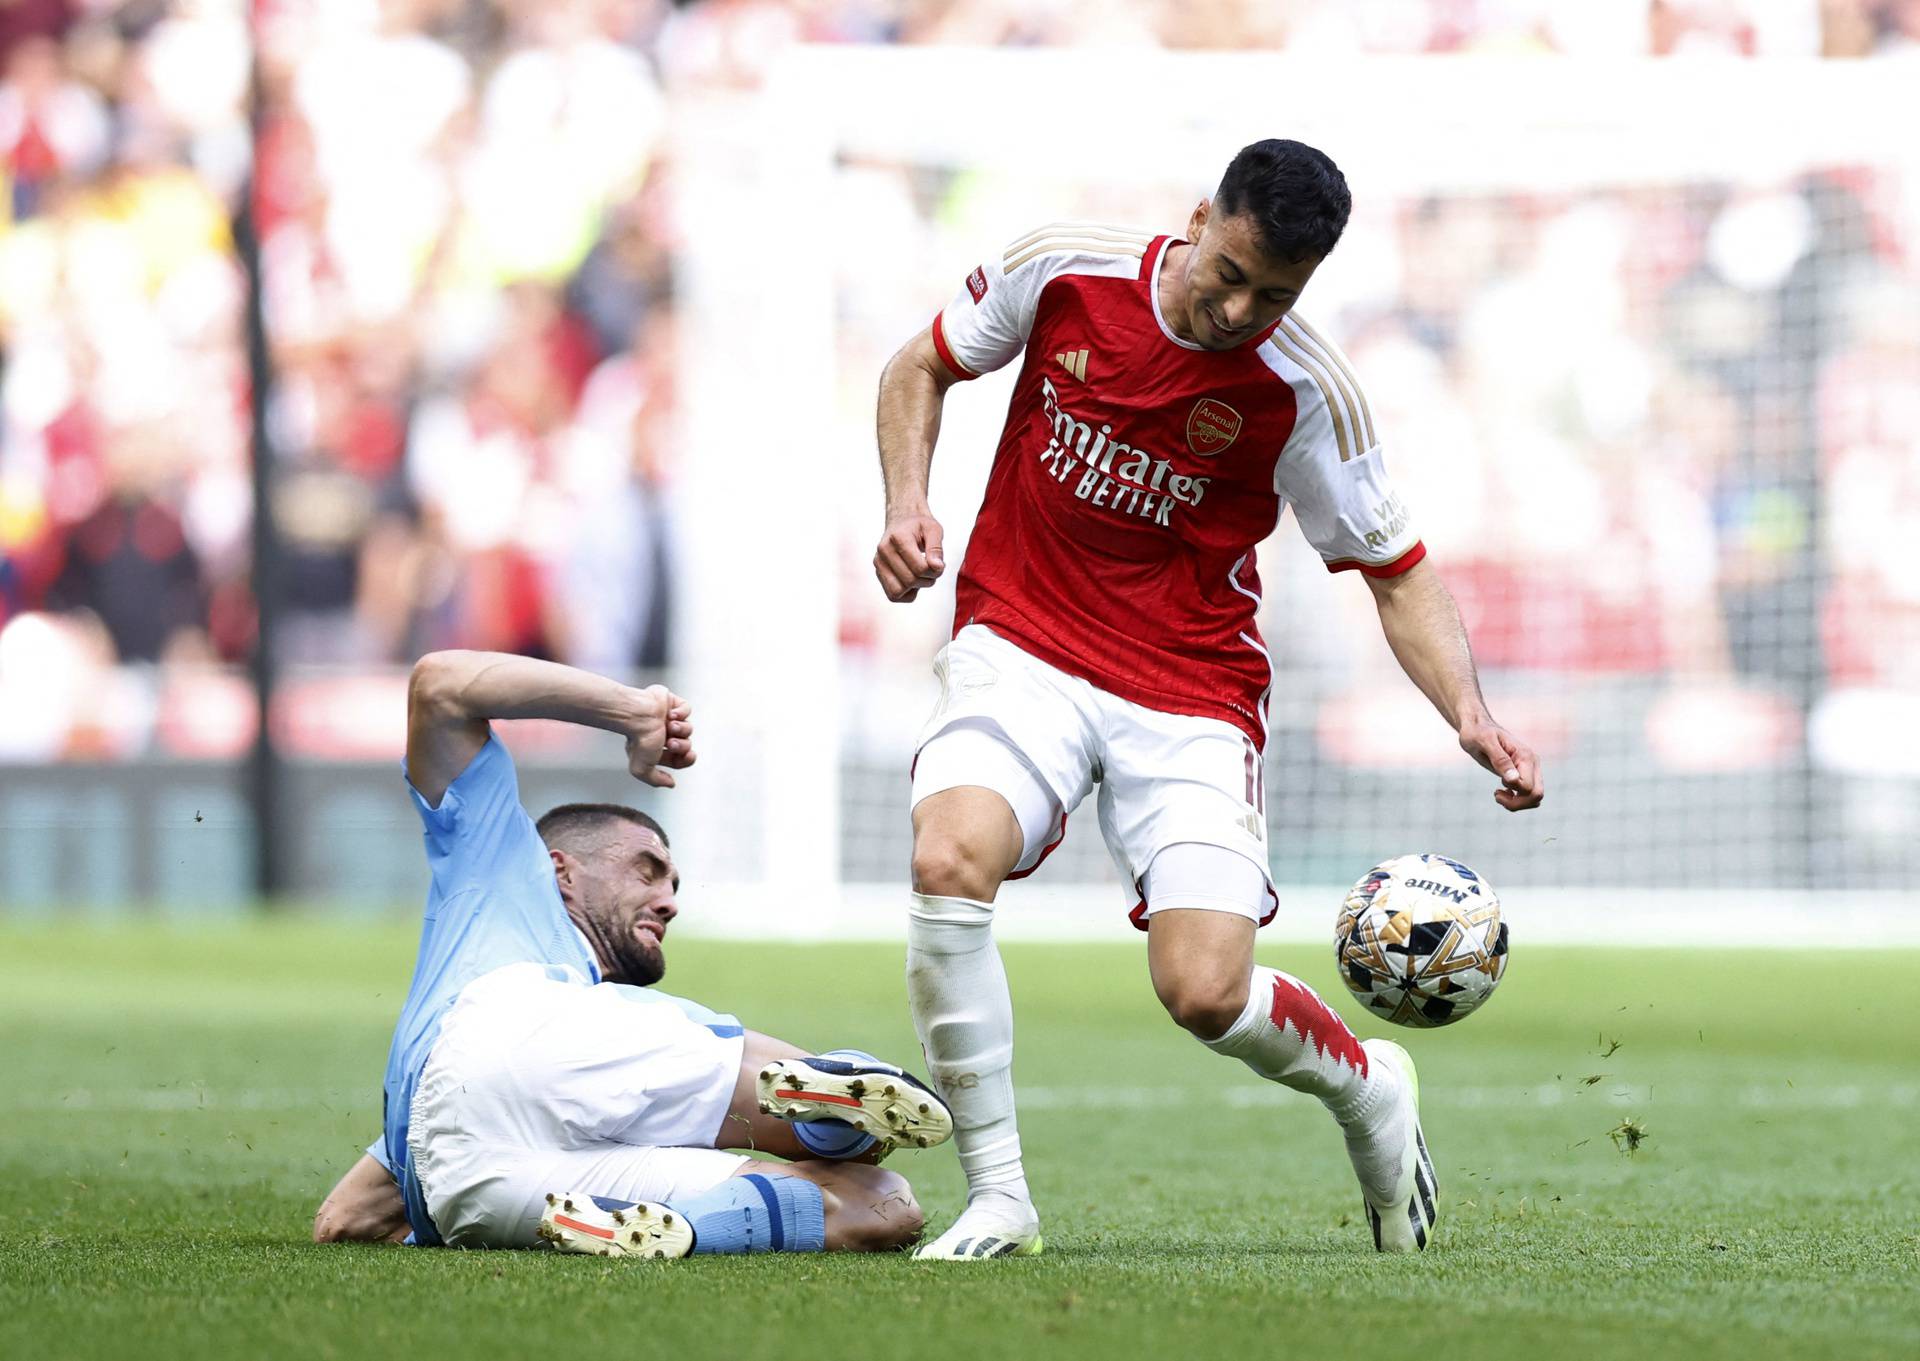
point(904, 1219)
point(948, 866)
point(1206, 1006)
point(867, 1208)
point(885, 1217)
point(896, 1209)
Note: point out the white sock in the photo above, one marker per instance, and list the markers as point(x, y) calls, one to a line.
point(1288, 1035)
point(964, 1016)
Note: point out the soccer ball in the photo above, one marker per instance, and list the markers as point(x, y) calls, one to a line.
point(1420, 940)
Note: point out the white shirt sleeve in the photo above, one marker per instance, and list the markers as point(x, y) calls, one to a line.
point(991, 315)
point(1333, 470)
point(989, 319)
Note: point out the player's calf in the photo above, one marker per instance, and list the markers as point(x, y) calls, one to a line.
point(753, 1212)
point(803, 1207)
point(868, 1209)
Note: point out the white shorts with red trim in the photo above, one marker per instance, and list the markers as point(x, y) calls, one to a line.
point(1043, 740)
point(537, 1084)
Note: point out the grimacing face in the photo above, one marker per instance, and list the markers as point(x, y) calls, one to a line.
point(1232, 289)
point(621, 895)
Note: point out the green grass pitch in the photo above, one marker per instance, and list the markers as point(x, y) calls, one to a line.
point(175, 1104)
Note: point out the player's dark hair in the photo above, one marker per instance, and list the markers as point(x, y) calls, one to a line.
point(1296, 195)
point(575, 827)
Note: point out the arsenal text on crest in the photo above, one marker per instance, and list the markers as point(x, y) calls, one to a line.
point(1211, 427)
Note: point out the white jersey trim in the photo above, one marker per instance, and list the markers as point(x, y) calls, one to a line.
point(1329, 379)
point(989, 320)
point(1153, 296)
point(1348, 383)
point(1086, 238)
point(1332, 469)
point(1260, 709)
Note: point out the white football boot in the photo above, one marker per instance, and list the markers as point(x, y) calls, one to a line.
point(874, 1097)
point(991, 1226)
point(1390, 1157)
point(575, 1222)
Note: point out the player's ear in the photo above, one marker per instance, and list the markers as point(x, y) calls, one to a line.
point(1201, 212)
point(562, 867)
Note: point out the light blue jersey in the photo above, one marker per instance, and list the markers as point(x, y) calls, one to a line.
point(492, 902)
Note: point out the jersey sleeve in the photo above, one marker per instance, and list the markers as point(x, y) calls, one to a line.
point(479, 832)
point(989, 319)
point(992, 313)
point(1333, 471)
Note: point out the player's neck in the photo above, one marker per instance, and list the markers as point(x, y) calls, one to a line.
point(1170, 292)
point(592, 940)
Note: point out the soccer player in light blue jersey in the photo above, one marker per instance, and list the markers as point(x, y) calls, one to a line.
point(538, 1087)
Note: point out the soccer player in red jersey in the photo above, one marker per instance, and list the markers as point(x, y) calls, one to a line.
point(1169, 407)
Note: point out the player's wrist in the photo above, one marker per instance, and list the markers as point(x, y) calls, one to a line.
point(1473, 723)
point(642, 709)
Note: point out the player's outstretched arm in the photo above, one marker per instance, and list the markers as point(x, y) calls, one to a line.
point(913, 388)
point(1423, 627)
point(451, 695)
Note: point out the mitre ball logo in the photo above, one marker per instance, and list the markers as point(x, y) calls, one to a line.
point(1211, 427)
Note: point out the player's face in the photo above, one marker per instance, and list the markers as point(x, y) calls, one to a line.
point(628, 893)
point(1234, 290)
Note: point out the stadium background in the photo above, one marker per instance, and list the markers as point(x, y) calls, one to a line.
point(574, 312)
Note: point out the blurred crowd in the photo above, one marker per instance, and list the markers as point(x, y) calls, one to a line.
point(469, 232)
point(1672, 430)
point(466, 231)
point(1680, 483)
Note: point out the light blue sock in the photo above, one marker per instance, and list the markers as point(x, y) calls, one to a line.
point(853, 1056)
point(834, 1140)
point(755, 1213)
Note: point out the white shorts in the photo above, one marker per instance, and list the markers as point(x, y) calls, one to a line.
point(537, 1085)
point(1042, 739)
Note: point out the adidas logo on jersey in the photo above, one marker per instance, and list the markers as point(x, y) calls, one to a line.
point(1074, 362)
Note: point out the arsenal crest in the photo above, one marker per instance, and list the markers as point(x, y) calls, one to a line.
point(1211, 427)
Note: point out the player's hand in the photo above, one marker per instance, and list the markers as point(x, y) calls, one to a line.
point(1509, 758)
point(909, 556)
point(662, 741)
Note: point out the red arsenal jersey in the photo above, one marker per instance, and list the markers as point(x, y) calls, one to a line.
point(1137, 472)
